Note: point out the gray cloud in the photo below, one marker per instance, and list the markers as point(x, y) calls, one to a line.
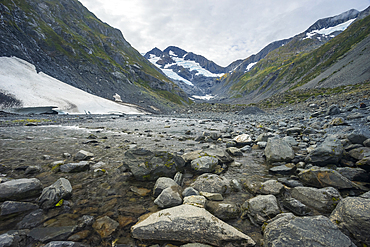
point(220, 30)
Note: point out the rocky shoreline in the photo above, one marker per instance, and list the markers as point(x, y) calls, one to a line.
point(293, 176)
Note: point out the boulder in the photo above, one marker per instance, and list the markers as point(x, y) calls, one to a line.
point(295, 206)
point(323, 177)
point(289, 230)
point(323, 200)
point(51, 195)
point(198, 201)
point(148, 165)
point(277, 150)
point(75, 167)
point(359, 153)
point(261, 208)
point(47, 234)
point(290, 140)
point(287, 169)
point(190, 191)
point(212, 196)
point(64, 244)
point(219, 153)
point(352, 216)
point(333, 110)
point(169, 197)
point(83, 155)
point(19, 189)
point(204, 164)
point(11, 207)
point(186, 223)
point(358, 137)
point(161, 184)
point(294, 131)
point(243, 139)
point(31, 220)
point(211, 183)
point(271, 187)
point(223, 211)
point(329, 152)
point(265, 136)
point(354, 174)
point(233, 151)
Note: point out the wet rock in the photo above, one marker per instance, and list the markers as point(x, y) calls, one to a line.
point(12, 207)
point(187, 223)
point(105, 226)
point(212, 196)
point(83, 155)
point(48, 234)
point(140, 191)
point(261, 208)
point(148, 165)
point(352, 216)
point(354, 174)
point(169, 197)
point(223, 211)
point(323, 177)
point(75, 167)
point(19, 189)
point(211, 183)
point(32, 220)
point(233, 151)
point(323, 200)
point(204, 164)
point(198, 201)
point(278, 150)
point(190, 191)
point(329, 152)
point(51, 195)
point(161, 184)
point(287, 169)
point(295, 206)
point(289, 230)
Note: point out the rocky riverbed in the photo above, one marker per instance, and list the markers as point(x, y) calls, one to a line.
point(282, 177)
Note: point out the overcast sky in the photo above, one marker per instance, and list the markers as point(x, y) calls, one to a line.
point(221, 30)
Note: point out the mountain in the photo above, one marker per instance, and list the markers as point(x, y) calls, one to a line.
point(65, 41)
point(300, 61)
point(195, 74)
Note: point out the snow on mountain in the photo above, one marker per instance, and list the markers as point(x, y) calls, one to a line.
point(327, 31)
point(20, 79)
point(250, 66)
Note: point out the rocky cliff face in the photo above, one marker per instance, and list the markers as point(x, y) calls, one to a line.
point(66, 41)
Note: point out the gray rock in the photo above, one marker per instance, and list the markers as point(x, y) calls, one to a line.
point(161, 184)
point(366, 195)
point(261, 208)
point(265, 136)
point(290, 140)
point(295, 206)
point(323, 177)
point(352, 216)
point(329, 152)
point(83, 155)
point(278, 150)
point(323, 200)
point(223, 211)
point(198, 201)
point(32, 170)
point(333, 110)
point(243, 139)
point(6, 240)
point(75, 167)
point(354, 174)
point(190, 191)
point(178, 178)
point(367, 143)
point(294, 131)
point(148, 165)
point(204, 164)
point(289, 230)
point(32, 220)
point(11, 207)
point(287, 169)
point(359, 153)
point(271, 187)
point(246, 149)
point(64, 244)
point(51, 195)
point(187, 223)
point(290, 182)
point(196, 245)
point(48, 234)
point(358, 137)
point(211, 183)
point(105, 226)
point(233, 151)
point(212, 196)
point(169, 197)
point(19, 189)
point(218, 153)
point(355, 115)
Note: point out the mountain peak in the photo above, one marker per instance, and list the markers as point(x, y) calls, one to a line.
point(175, 51)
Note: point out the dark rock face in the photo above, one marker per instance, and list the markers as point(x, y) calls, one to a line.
point(87, 54)
point(288, 230)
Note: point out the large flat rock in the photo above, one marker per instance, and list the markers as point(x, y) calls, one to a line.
point(186, 223)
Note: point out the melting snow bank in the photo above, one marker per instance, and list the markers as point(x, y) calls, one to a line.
point(20, 79)
point(205, 97)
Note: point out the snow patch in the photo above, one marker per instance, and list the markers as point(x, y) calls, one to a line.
point(327, 31)
point(205, 97)
point(21, 79)
point(250, 66)
point(175, 76)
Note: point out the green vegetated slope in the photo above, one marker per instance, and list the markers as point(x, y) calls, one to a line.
point(296, 63)
point(68, 42)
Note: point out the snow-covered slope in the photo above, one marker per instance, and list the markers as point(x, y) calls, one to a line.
point(20, 79)
point(330, 30)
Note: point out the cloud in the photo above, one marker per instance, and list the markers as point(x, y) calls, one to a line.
point(221, 30)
